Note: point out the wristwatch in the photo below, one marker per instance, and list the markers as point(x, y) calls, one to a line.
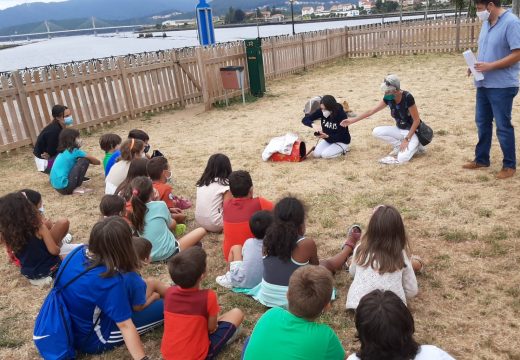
point(406, 138)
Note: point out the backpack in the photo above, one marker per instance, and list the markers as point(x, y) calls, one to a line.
point(52, 334)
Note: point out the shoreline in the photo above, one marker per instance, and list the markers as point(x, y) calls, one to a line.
point(299, 22)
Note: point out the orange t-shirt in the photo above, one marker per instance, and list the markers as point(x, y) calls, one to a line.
point(236, 215)
point(165, 193)
point(186, 314)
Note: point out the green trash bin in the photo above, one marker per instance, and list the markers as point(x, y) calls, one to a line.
point(255, 64)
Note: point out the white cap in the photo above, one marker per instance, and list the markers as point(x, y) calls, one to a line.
point(391, 83)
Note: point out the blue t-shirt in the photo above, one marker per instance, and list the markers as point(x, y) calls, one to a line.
point(63, 164)
point(136, 288)
point(89, 296)
point(156, 229)
point(112, 161)
point(495, 43)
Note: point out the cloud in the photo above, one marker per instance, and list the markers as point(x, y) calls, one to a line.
point(4, 4)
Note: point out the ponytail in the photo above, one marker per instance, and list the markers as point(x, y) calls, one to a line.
point(142, 190)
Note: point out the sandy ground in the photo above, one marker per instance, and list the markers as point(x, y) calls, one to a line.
point(463, 223)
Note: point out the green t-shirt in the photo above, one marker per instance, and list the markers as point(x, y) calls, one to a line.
point(278, 334)
point(107, 157)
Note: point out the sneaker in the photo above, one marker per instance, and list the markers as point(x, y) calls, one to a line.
point(224, 281)
point(67, 239)
point(180, 229)
point(389, 160)
point(182, 203)
point(43, 282)
point(86, 179)
point(505, 173)
point(473, 165)
point(81, 191)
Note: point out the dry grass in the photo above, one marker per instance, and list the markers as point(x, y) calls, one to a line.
point(463, 223)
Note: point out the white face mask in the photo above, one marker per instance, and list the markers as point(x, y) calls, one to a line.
point(326, 113)
point(79, 142)
point(483, 15)
point(42, 210)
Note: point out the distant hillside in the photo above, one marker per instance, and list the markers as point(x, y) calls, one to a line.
point(74, 14)
point(102, 9)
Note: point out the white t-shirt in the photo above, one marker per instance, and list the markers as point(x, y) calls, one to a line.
point(209, 206)
point(116, 176)
point(426, 352)
point(403, 282)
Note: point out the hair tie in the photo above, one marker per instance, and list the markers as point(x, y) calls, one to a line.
point(132, 144)
point(135, 192)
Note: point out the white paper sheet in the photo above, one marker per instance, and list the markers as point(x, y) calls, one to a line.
point(471, 60)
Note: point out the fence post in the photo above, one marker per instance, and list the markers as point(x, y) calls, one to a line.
point(346, 42)
point(457, 41)
point(203, 80)
point(124, 80)
point(328, 45)
point(177, 80)
point(303, 52)
point(24, 106)
point(273, 58)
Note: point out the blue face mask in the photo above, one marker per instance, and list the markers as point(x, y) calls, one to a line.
point(389, 97)
point(68, 121)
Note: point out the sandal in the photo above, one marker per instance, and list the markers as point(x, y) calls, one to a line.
point(420, 261)
point(353, 236)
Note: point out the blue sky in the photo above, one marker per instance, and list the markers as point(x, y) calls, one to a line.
point(4, 4)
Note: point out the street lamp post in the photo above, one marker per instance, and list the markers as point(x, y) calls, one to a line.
point(292, 16)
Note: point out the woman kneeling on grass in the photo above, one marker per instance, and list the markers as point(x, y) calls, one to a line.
point(335, 138)
point(402, 136)
point(99, 300)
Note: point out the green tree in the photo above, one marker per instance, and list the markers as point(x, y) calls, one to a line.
point(230, 16)
point(239, 16)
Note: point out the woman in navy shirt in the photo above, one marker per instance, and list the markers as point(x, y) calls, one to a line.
point(336, 138)
point(402, 136)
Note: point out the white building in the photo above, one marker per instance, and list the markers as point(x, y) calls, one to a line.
point(277, 18)
point(308, 10)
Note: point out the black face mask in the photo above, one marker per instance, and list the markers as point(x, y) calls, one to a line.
point(146, 148)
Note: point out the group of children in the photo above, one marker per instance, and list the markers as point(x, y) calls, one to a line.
point(267, 253)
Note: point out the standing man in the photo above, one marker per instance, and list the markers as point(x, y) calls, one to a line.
point(498, 59)
point(46, 147)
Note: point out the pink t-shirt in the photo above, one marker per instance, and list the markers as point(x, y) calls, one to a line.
point(209, 205)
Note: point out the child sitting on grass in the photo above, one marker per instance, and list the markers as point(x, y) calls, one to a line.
point(25, 233)
point(109, 143)
point(385, 329)
point(381, 260)
point(286, 249)
point(295, 333)
point(193, 328)
point(245, 263)
point(160, 173)
point(239, 210)
point(212, 192)
point(71, 164)
point(143, 292)
point(112, 205)
point(152, 220)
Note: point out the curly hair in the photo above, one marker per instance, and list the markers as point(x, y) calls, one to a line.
point(281, 237)
point(19, 220)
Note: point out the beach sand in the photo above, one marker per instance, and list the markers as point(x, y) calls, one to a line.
point(462, 223)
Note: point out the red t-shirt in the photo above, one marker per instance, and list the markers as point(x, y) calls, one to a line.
point(186, 314)
point(236, 215)
point(165, 193)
